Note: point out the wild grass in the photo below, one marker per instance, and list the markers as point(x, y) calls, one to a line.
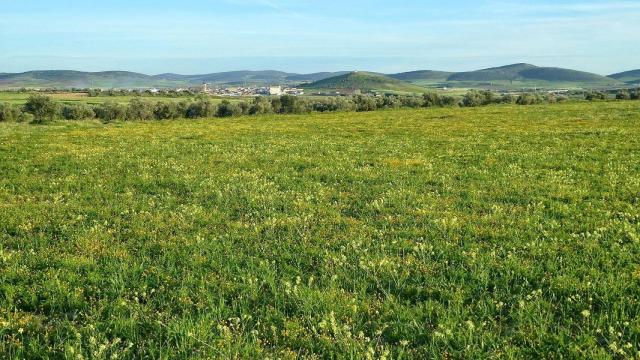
point(493, 232)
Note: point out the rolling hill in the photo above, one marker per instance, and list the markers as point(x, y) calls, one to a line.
point(504, 77)
point(365, 82)
point(524, 74)
point(629, 77)
point(124, 79)
point(423, 77)
point(78, 79)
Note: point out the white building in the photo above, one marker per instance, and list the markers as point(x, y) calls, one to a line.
point(275, 90)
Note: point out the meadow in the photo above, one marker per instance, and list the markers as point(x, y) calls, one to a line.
point(20, 98)
point(489, 232)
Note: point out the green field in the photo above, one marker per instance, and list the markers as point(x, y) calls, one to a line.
point(489, 232)
point(19, 98)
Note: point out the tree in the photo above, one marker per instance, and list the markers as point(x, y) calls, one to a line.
point(41, 107)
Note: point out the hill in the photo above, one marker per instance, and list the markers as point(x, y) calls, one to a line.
point(503, 77)
point(422, 77)
point(231, 77)
point(78, 79)
point(365, 82)
point(124, 79)
point(315, 76)
point(531, 74)
point(629, 77)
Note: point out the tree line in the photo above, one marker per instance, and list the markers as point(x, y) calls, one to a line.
point(41, 108)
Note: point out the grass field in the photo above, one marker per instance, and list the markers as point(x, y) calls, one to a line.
point(19, 98)
point(493, 232)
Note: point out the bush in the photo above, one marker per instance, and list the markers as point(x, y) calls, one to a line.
point(508, 99)
point(42, 108)
point(139, 109)
point(365, 103)
point(635, 95)
point(595, 95)
point(260, 105)
point(480, 98)
point(431, 99)
point(389, 102)
point(77, 112)
point(110, 111)
point(448, 101)
point(9, 112)
point(623, 95)
point(25, 117)
point(529, 99)
point(166, 110)
point(290, 104)
point(227, 109)
point(202, 108)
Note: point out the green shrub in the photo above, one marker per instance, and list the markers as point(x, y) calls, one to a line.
point(166, 110)
point(529, 99)
point(227, 109)
point(77, 112)
point(110, 111)
point(595, 95)
point(365, 103)
point(431, 99)
point(201, 109)
point(139, 109)
point(260, 105)
point(9, 112)
point(42, 108)
point(623, 95)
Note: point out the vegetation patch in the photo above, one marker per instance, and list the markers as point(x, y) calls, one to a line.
point(484, 232)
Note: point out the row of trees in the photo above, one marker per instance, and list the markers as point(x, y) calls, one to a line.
point(41, 108)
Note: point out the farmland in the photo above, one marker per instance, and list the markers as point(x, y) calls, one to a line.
point(488, 232)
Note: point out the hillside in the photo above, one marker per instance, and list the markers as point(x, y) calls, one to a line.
point(315, 76)
point(629, 77)
point(365, 82)
point(503, 77)
point(124, 79)
point(233, 77)
point(531, 74)
point(422, 77)
point(79, 79)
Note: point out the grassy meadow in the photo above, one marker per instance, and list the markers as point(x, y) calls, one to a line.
point(20, 98)
point(475, 233)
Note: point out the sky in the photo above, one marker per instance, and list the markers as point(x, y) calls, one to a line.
point(204, 36)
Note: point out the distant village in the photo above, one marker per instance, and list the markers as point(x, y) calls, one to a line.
point(239, 91)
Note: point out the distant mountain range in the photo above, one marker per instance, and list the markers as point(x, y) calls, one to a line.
point(510, 76)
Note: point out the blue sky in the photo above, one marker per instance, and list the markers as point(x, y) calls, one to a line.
point(201, 36)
